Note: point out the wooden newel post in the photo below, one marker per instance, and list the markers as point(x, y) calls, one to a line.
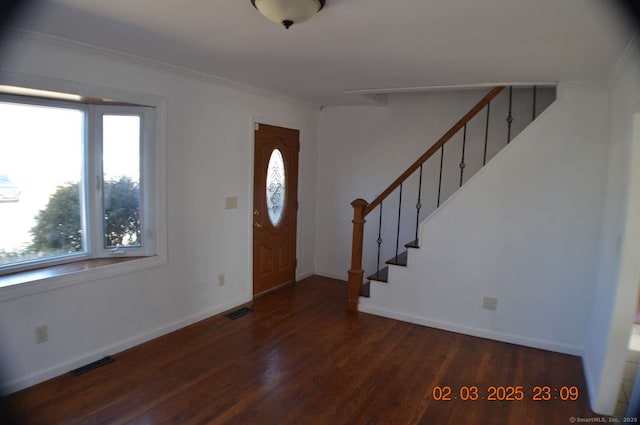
point(355, 273)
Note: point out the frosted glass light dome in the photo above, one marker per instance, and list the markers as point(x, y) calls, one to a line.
point(288, 12)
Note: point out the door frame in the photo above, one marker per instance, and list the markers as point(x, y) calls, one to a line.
point(294, 125)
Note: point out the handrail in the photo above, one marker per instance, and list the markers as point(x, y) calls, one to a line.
point(433, 149)
point(361, 209)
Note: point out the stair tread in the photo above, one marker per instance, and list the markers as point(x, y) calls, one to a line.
point(383, 275)
point(400, 260)
point(412, 244)
point(366, 290)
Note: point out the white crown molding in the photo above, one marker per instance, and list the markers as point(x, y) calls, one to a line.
point(55, 41)
point(632, 49)
point(446, 87)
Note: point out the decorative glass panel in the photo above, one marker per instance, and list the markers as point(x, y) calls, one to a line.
point(275, 187)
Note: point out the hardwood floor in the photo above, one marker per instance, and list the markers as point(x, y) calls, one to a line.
point(299, 358)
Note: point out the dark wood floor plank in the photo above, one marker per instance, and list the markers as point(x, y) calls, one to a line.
point(300, 358)
point(268, 363)
point(279, 330)
point(410, 360)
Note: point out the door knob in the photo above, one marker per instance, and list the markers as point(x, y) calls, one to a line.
point(256, 212)
point(256, 224)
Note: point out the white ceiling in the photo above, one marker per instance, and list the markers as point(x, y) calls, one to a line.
point(355, 44)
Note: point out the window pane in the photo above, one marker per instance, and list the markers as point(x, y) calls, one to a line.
point(121, 178)
point(41, 157)
point(275, 187)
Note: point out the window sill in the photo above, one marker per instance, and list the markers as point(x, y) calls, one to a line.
point(30, 282)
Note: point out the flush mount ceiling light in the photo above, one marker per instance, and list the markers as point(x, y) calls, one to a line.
point(288, 12)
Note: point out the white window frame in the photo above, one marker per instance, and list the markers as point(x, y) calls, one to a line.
point(91, 199)
point(63, 258)
point(153, 158)
point(147, 181)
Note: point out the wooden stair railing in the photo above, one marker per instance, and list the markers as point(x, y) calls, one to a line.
point(361, 208)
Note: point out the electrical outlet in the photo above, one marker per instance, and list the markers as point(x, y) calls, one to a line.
point(221, 280)
point(42, 334)
point(489, 303)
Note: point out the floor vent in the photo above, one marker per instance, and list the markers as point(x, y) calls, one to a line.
point(91, 366)
point(238, 313)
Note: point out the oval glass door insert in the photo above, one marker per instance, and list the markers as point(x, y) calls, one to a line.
point(275, 187)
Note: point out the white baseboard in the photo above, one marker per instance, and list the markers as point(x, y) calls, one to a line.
point(44, 375)
point(477, 332)
point(342, 277)
point(304, 275)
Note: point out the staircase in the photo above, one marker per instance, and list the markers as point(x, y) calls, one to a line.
point(412, 179)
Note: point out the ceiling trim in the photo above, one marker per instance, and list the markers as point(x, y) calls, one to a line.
point(446, 87)
point(61, 42)
point(627, 55)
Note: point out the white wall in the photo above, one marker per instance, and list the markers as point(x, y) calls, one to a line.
point(524, 229)
point(616, 292)
point(362, 149)
point(210, 153)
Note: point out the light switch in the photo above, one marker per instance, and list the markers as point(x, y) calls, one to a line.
point(231, 203)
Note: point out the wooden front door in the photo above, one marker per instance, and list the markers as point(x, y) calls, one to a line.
point(275, 205)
